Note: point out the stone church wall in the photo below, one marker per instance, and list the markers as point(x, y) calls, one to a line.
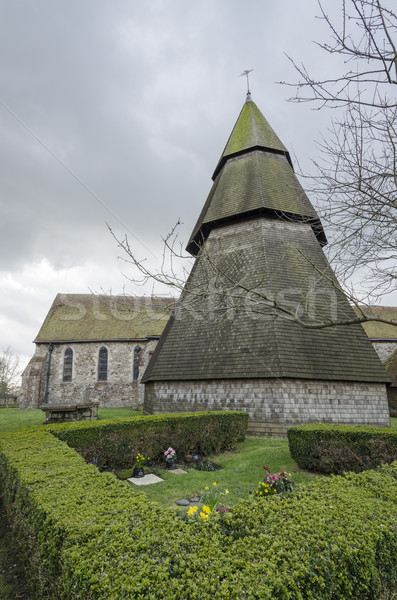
point(119, 390)
point(33, 379)
point(384, 349)
point(275, 404)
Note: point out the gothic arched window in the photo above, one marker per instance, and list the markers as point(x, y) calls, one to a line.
point(67, 365)
point(137, 352)
point(103, 364)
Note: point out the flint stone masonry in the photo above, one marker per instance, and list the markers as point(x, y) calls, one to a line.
point(384, 349)
point(120, 390)
point(274, 405)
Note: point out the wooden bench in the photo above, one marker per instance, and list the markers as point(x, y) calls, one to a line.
point(64, 414)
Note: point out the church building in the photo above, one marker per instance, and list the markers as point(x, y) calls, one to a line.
point(251, 329)
point(93, 348)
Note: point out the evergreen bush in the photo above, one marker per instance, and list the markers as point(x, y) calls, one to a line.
point(337, 448)
point(86, 535)
point(115, 443)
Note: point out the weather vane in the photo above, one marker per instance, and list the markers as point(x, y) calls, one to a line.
point(246, 74)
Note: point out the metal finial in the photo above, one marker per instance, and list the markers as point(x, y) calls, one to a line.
point(246, 74)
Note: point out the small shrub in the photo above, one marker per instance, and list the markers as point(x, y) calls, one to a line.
point(337, 448)
point(205, 464)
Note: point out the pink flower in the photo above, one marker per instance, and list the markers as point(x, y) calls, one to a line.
point(266, 469)
point(274, 477)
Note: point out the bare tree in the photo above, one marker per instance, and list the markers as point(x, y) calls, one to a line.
point(219, 293)
point(355, 178)
point(9, 372)
point(355, 186)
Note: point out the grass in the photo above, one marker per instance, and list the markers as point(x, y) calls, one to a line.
point(13, 419)
point(241, 472)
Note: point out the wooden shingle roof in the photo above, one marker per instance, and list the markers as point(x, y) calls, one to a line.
point(202, 342)
point(90, 317)
point(254, 177)
point(259, 230)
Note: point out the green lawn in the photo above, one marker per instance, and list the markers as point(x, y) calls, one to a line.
point(12, 419)
point(242, 470)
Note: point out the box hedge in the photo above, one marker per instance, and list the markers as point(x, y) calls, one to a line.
point(337, 448)
point(116, 442)
point(85, 535)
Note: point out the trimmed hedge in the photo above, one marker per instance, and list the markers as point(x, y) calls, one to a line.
point(337, 448)
point(116, 442)
point(87, 536)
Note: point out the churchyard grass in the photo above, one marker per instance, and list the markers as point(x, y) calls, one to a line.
point(13, 419)
point(241, 472)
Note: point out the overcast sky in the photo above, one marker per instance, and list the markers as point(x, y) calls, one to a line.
point(118, 112)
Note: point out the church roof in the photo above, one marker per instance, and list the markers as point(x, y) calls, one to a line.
point(377, 330)
point(258, 232)
point(251, 130)
point(250, 339)
point(91, 317)
point(254, 176)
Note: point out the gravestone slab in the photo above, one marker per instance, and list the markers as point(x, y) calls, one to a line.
point(178, 471)
point(146, 480)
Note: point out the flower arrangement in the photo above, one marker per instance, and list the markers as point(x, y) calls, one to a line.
point(170, 455)
point(275, 484)
point(210, 498)
point(140, 459)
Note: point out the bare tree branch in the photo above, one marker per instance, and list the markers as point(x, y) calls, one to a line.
point(10, 372)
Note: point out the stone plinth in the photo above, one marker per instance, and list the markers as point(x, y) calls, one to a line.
point(63, 414)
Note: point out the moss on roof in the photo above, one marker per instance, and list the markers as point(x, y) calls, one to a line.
point(253, 182)
point(84, 317)
point(254, 175)
point(251, 129)
point(376, 329)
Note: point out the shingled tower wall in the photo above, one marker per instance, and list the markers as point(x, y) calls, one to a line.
point(231, 344)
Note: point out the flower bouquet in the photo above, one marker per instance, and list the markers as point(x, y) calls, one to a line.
point(170, 458)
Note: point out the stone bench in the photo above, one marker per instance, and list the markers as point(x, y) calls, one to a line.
point(63, 414)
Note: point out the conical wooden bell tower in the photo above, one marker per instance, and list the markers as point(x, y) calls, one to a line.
point(249, 332)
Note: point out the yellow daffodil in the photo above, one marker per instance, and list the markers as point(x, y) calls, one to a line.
point(226, 491)
point(214, 483)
